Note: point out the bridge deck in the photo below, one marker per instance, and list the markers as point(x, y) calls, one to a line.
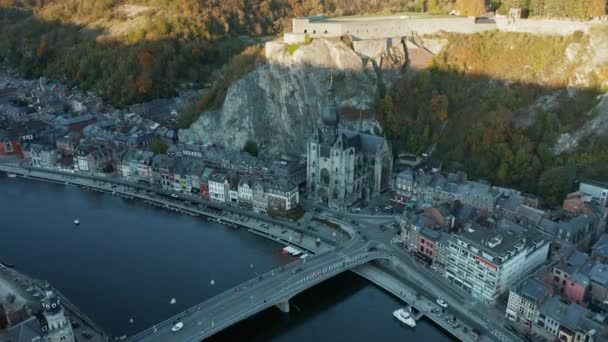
point(257, 294)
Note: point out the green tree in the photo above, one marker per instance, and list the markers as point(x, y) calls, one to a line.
point(159, 146)
point(251, 147)
point(556, 182)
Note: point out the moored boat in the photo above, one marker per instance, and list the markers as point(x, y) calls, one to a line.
point(404, 317)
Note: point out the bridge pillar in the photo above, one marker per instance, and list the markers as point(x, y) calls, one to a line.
point(283, 306)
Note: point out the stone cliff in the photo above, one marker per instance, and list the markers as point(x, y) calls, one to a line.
point(278, 105)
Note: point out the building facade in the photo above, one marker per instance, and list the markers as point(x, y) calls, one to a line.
point(486, 262)
point(345, 166)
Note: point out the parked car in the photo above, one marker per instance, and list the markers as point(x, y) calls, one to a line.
point(442, 303)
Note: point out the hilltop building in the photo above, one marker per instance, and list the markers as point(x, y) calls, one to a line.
point(345, 166)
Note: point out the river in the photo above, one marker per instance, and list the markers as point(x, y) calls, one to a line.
point(127, 259)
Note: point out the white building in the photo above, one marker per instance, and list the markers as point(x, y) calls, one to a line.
point(217, 191)
point(282, 195)
point(245, 191)
point(486, 262)
point(525, 299)
point(260, 198)
point(594, 191)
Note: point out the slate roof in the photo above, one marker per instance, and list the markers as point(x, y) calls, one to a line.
point(534, 289)
point(361, 141)
point(599, 273)
point(25, 331)
point(601, 247)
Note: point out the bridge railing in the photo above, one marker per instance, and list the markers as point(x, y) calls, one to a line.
point(217, 298)
point(353, 261)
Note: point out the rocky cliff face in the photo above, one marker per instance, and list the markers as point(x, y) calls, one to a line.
point(590, 59)
point(278, 105)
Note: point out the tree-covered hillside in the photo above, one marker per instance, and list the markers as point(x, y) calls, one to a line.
point(495, 104)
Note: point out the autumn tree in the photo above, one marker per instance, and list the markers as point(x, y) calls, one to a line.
point(471, 7)
point(146, 59)
point(597, 8)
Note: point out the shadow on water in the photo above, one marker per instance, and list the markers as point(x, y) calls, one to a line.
point(344, 308)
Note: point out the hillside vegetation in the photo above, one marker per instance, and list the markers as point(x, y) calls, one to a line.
point(132, 51)
point(504, 99)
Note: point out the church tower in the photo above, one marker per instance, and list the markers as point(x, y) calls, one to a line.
point(330, 118)
point(57, 327)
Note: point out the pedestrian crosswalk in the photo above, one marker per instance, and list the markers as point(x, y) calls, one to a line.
point(500, 336)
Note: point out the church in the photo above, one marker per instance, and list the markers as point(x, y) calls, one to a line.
point(345, 166)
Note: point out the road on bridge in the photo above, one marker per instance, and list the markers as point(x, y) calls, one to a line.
point(270, 289)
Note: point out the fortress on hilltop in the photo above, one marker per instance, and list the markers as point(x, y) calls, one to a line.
point(385, 27)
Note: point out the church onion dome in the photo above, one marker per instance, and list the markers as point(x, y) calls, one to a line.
point(330, 113)
point(51, 303)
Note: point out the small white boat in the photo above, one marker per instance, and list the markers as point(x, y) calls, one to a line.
point(178, 326)
point(76, 221)
point(131, 320)
point(304, 256)
point(11, 175)
point(404, 317)
point(172, 301)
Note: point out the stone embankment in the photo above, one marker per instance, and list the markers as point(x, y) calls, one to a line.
point(283, 232)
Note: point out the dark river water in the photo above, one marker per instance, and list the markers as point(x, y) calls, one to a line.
point(127, 260)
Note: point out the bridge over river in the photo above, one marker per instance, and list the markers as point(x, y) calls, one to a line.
point(274, 288)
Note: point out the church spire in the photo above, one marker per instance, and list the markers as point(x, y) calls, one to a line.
point(330, 116)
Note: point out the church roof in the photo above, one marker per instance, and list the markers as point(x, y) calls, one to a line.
point(361, 141)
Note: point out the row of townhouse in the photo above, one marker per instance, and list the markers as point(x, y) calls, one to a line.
point(257, 194)
point(482, 256)
point(430, 189)
point(535, 305)
point(242, 162)
point(191, 175)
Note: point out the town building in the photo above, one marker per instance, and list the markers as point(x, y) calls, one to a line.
point(217, 185)
point(486, 261)
point(67, 144)
point(204, 182)
point(525, 300)
point(426, 190)
point(92, 159)
point(260, 198)
point(162, 175)
point(77, 122)
point(245, 192)
point(568, 322)
point(135, 165)
point(600, 249)
point(595, 191)
point(42, 156)
point(345, 166)
point(282, 195)
point(293, 171)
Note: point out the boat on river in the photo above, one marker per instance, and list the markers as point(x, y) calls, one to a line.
point(404, 317)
